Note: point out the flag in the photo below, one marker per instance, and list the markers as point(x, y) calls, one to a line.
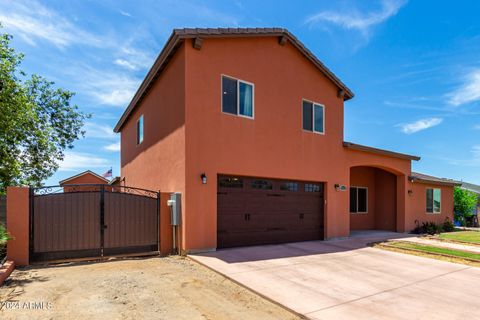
point(108, 174)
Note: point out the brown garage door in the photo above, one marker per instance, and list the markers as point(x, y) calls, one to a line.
point(253, 211)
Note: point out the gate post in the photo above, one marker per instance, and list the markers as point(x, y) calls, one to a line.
point(102, 218)
point(18, 224)
point(166, 234)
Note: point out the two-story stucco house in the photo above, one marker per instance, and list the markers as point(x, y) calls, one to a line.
point(248, 125)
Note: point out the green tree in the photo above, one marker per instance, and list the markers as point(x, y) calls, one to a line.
point(4, 236)
point(465, 202)
point(37, 122)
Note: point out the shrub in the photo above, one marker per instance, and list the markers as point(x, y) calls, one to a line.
point(418, 228)
point(448, 225)
point(4, 237)
point(429, 227)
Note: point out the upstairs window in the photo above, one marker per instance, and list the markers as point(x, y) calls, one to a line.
point(434, 200)
point(313, 117)
point(140, 130)
point(237, 97)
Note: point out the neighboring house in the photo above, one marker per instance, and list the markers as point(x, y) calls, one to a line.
point(87, 177)
point(248, 125)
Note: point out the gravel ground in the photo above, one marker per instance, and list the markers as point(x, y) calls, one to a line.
point(153, 288)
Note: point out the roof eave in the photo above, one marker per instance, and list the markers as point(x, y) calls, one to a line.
point(434, 182)
point(383, 152)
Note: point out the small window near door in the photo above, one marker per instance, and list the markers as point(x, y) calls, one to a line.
point(313, 116)
point(358, 200)
point(237, 97)
point(262, 184)
point(312, 187)
point(434, 200)
point(230, 182)
point(289, 186)
point(140, 130)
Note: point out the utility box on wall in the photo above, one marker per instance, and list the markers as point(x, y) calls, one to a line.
point(175, 204)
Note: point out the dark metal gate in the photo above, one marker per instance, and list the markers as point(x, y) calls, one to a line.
point(92, 220)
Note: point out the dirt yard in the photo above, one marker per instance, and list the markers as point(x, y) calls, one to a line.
point(154, 288)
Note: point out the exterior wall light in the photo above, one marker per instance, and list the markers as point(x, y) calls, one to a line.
point(340, 187)
point(203, 176)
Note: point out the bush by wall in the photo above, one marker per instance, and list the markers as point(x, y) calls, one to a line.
point(430, 227)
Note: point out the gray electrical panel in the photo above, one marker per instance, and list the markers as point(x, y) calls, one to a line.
point(175, 204)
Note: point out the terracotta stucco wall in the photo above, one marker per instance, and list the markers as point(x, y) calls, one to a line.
point(273, 144)
point(18, 224)
point(385, 200)
point(364, 177)
point(401, 168)
point(418, 205)
point(382, 208)
point(158, 163)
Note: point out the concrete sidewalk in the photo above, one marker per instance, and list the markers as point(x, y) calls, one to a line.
point(346, 279)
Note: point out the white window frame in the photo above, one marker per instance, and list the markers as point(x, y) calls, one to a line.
point(366, 200)
point(238, 97)
point(313, 116)
point(137, 131)
point(433, 201)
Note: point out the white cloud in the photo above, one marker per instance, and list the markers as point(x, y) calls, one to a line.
point(125, 13)
point(32, 22)
point(132, 58)
point(75, 160)
point(355, 20)
point(468, 92)
point(114, 147)
point(409, 128)
point(105, 87)
point(473, 160)
point(125, 64)
point(476, 151)
point(114, 89)
point(99, 131)
point(119, 98)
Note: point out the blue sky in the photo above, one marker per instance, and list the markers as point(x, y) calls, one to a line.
point(413, 65)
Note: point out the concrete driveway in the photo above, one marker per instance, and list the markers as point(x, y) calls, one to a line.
point(346, 279)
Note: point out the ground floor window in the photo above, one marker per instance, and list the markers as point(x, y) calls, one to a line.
point(434, 200)
point(358, 199)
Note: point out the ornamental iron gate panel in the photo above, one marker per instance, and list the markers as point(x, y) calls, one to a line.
point(78, 221)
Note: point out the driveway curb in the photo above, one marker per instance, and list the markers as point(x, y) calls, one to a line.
point(302, 316)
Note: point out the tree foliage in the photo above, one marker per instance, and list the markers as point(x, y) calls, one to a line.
point(37, 122)
point(465, 202)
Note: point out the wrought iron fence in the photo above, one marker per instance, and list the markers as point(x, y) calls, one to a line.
point(67, 188)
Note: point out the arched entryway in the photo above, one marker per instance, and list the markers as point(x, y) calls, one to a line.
point(373, 199)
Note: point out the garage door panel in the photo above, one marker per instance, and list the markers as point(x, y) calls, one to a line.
point(248, 214)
